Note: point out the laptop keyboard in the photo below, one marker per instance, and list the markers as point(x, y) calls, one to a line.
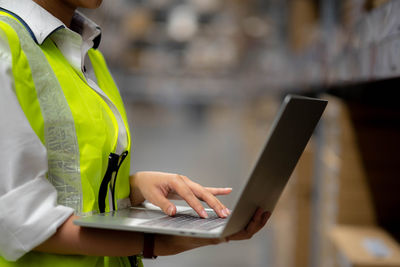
point(187, 222)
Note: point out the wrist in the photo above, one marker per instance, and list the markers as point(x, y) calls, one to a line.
point(135, 196)
point(148, 246)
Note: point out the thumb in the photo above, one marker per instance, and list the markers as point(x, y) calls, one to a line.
point(167, 206)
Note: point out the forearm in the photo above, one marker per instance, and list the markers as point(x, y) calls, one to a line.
point(71, 239)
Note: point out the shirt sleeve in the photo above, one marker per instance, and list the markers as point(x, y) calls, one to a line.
point(29, 213)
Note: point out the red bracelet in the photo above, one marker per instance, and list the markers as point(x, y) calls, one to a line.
point(148, 246)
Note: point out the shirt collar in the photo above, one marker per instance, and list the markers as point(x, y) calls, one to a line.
point(89, 30)
point(41, 24)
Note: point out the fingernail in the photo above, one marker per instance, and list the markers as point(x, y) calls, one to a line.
point(224, 213)
point(170, 210)
point(204, 214)
point(227, 211)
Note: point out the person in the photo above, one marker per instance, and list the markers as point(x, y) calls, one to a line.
point(65, 148)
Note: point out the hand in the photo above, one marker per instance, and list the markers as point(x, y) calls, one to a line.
point(169, 245)
point(157, 187)
point(258, 221)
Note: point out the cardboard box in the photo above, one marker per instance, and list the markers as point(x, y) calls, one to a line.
point(344, 177)
point(358, 246)
point(372, 4)
point(341, 193)
point(302, 23)
point(303, 194)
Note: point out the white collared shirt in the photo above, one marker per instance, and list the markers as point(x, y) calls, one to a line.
point(29, 213)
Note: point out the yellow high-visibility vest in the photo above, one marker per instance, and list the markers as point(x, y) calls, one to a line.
point(79, 129)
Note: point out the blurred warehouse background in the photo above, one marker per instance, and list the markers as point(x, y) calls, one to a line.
point(202, 81)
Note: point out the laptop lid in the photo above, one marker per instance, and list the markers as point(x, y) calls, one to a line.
point(288, 137)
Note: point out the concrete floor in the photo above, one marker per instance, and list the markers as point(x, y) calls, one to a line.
point(212, 148)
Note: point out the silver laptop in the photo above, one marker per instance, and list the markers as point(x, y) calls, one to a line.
point(288, 136)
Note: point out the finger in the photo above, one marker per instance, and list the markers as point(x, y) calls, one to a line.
point(213, 190)
point(174, 196)
point(266, 215)
point(254, 225)
point(161, 201)
point(204, 194)
point(257, 222)
point(219, 191)
point(210, 199)
point(182, 189)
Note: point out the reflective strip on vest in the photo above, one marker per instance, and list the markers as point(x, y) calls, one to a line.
point(60, 138)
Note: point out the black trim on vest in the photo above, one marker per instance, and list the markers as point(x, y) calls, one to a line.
point(114, 163)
